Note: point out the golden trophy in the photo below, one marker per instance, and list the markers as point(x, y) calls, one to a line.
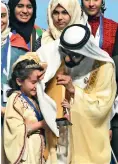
point(58, 93)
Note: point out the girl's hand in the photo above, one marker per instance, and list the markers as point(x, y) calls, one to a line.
point(34, 126)
point(65, 104)
point(110, 135)
point(44, 124)
point(3, 111)
point(28, 122)
point(41, 74)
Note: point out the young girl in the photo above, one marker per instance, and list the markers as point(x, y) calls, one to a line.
point(24, 124)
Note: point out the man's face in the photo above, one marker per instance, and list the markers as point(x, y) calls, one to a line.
point(71, 59)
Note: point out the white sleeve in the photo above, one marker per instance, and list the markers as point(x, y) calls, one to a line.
point(49, 53)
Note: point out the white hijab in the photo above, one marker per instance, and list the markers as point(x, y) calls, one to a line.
point(5, 33)
point(74, 10)
point(49, 53)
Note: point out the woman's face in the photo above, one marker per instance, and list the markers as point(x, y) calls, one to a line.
point(4, 19)
point(92, 7)
point(60, 17)
point(24, 11)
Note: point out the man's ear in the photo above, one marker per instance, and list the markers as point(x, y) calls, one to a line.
point(19, 81)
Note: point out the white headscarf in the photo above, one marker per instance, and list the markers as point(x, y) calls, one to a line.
point(50, 54)
point(5, 33)
point(74, 10)
point(90, 50)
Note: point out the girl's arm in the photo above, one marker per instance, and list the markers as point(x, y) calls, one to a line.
point(66, 107)
point(65, 104)
point(32, 127)
point(3, 111)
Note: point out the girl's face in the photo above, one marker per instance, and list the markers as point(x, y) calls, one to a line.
point(92, 7)
point(60, 17)
point(4, 19)
point(28, 86)
point(24, 11)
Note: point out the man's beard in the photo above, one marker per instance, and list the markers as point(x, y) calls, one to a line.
point(70, 64)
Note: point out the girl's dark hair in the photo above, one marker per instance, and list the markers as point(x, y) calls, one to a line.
point(20, 71)
point(103, 8)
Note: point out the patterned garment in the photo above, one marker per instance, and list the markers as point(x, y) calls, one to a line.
point(28, 148)
point(6, 73)
point(37, 44)
point(109, 32)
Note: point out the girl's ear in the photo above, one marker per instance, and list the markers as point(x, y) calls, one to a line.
point(18, 81)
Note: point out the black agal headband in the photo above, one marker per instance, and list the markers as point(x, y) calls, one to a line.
point(75, 36)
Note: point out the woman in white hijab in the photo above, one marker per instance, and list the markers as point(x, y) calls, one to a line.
point(4, 35)
point(4, 23)
point(4, 30)
point(61, 13)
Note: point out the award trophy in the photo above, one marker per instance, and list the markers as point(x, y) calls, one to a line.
point(58, 94)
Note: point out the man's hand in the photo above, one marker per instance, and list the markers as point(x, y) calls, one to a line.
point(66, 81)
point(41, 74)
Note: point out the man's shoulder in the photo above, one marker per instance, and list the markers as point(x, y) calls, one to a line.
point(106, 70)
point(106, 65)
point(103, 68)
point(105, 73)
